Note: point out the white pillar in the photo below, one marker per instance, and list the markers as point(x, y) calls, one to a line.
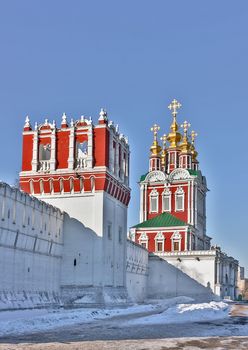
point(35, 152)
point(53, 150)
point(145, 206)
point(142, 203)
point(71, 149)
point(90, 148)
point(117, 168)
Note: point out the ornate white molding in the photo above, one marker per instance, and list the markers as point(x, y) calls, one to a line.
point(159, 236)
point(143, 237)
point(176, 235)
point(179, 174)
point(179, 190)
point(154, 193)
point(156, 176)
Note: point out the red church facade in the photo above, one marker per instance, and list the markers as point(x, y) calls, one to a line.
point(172, 194)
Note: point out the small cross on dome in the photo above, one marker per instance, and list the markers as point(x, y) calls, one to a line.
point(174, 106)
point(185, 127)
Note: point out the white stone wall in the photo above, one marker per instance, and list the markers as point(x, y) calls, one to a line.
point(137, 271)
point(96, 211)
point(166, 281)
point(211, 268)
point(31, 237)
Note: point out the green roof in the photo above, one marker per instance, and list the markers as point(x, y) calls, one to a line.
point(193, 172)
point(142, 178)
point(162, 220)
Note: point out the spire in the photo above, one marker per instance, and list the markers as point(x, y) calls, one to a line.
point(103, 116)
point(174, 136)
point(64, 121)
point(155, 148)
point(27, 125)
point(185, 145)
point(163, 154)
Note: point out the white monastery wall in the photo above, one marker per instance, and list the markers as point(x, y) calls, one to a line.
point(166, 281)
point(85, 207)
point(211, 268)
point(31, 237)
point(137, 271)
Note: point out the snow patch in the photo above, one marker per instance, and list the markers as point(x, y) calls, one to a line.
point(186, 313)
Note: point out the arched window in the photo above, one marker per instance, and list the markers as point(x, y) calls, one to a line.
point(176, 241)
point(143, 240)
point(41, 186)
point(61, 185)
point(45, 152)
point(179, 199)
point(92, 184)
point(71, 185)
point(154, 201)
point(31, 187)
point(166, 200)
point(51, 185)
point(81, 183)
point(159, 239)
point(81, 154)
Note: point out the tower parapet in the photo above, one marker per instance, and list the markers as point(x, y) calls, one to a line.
point(79, 157)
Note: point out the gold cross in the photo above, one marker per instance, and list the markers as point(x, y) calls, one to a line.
point(185, 127)
point(155, 128)
point(163, 139)
point(193, 136)
point(174, 106)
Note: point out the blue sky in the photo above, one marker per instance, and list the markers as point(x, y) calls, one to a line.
point(133, 57)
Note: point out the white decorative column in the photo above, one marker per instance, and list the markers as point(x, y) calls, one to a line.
point(145, 206)
point(53, 150)
point(111, 152)
point(35, 152)
point(90, 148)
point(117, 168)
point(142, 203)
point(71, 148)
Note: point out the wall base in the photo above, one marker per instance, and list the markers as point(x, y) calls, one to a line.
point(28, 300)
point(81, 296)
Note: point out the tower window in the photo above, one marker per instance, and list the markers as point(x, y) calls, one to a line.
point(166, 200)
point(176, 246)
point(75, 262)
point(45, 152)
point(81, 154)
point(154, 201)
point(179, 199)
point(159, 246)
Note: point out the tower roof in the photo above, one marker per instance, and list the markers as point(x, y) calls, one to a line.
point(162, 220)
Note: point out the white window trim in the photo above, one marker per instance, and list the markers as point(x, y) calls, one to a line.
point(143, 239)
point(154, 194)
point(166, 194)
point(176, 237)
point(179, 192)
point(159, 239)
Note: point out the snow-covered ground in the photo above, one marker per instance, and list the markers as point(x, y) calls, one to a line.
point(186, 313)
point(174, 310)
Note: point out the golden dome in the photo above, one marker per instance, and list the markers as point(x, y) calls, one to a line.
point(193, 151)
point(185, 145)
point(174, 136)
point(155, 147)
point(164, 151)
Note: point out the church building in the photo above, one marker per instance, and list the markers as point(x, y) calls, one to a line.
point(173, 210)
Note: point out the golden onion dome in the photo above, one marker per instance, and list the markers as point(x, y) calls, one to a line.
point(155, 147)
